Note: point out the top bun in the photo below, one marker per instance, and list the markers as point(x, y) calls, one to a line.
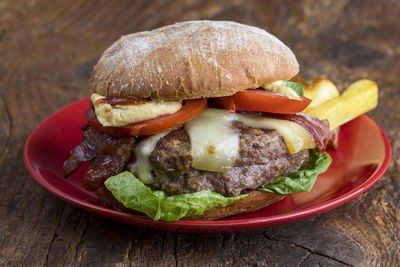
point(192, 59)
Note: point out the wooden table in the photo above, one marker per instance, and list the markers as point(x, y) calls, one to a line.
point(47, 51)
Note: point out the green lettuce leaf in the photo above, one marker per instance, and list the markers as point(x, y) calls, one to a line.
point(133, 194)
point(92, 107)
point(158, 205)
point(302, 180)
point(297, 87)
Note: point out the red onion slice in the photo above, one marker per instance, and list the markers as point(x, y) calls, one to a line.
point(318, 129)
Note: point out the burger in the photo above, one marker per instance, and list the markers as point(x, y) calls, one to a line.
point(198, 120)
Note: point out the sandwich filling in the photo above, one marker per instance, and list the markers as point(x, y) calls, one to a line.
point(131, 112)
point(120, 114)
point(216, 153)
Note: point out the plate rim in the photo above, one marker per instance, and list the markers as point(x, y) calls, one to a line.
point(252, 223)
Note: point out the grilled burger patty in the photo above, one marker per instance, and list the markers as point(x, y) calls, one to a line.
point(262, 158)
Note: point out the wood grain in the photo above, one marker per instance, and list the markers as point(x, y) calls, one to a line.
point(47, 51)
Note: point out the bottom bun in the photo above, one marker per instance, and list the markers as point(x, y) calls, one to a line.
point(254, 201)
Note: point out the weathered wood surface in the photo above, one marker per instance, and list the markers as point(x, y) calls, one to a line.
point(47, 50)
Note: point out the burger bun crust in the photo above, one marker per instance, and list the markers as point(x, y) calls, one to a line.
point(192, 59)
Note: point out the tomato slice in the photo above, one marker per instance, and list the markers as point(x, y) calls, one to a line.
point(189, 110)
point(227, 103)
point(263, 101)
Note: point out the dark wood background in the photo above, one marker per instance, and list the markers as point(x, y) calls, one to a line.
point(47, 51)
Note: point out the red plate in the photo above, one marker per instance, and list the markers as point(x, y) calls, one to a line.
point(363, 156)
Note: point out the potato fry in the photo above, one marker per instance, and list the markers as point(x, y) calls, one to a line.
point(297, 79)
point(360, 97)
point(319, 92)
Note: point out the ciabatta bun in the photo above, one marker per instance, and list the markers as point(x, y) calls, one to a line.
point(192, 59)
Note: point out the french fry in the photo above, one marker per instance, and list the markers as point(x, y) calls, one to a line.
point(297, 79)
point(360, 97)
point(319, 92)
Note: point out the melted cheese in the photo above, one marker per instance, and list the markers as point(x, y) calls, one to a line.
point(143, 168)
point(120, 115)
point(214, 141)
point(296, 137)
point(279, 88)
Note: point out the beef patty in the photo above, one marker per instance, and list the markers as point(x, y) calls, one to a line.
point(262, 158)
